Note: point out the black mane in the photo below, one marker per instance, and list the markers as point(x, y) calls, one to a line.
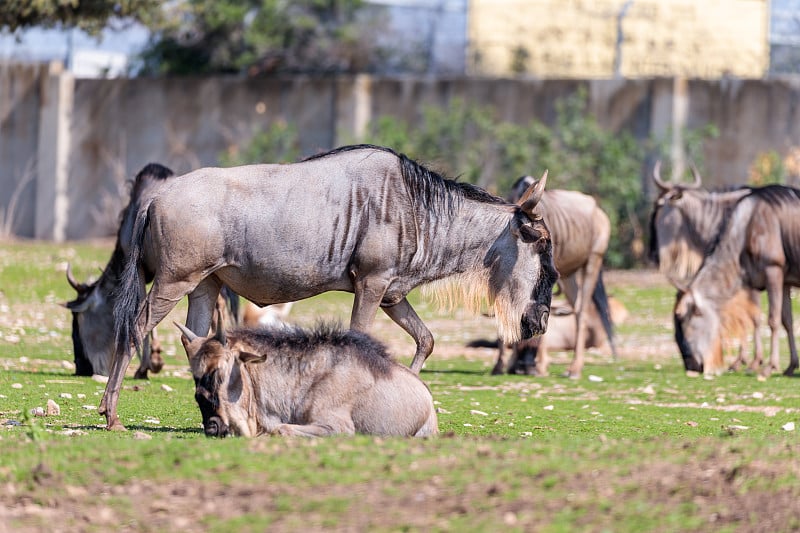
point(303, 342)
point(431, 189)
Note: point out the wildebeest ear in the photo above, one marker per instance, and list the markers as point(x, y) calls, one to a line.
point(247, 357)
point(533, 195)
point(529, 234)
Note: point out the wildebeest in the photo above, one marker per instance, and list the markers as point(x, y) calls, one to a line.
point(684, 224)
point(580, 231)
point(362, 219)
point(269, 315)
point(758, 248)
point(92, 318)
point(736, 323)
point(560, 334)
point(291, 381)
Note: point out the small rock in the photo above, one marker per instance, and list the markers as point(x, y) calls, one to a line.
point(691, 424)
point(476, 412)
point(89, 407)
point(649, 390)
point(66, 395)
point(596, 379)
point(13, 339)
point(100, 379)
point(548, 408)
point(152, 420)
point(789, 426)
point(16, 385)
point(761, 377)
point(442, 411)
point(68, 365)
point(166, 387)
point(141, 435)
point(37, 411)
point(692, 374)
point(23, 359)
point(758, 395)
point(53, 409)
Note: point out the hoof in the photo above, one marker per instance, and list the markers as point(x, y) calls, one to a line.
point(571, 374)
point(497, 370)
point(141, 373)
point(789, 371)
point(115, 425)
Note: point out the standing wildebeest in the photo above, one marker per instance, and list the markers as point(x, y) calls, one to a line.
point(361, 219)
point(92, 317)
point(560, 334)
point(290, 381)
point(758, 248)
point(580, 231)
point(684, 224)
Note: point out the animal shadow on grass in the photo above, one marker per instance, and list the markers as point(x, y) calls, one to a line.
point(144, 429)
point(455, 371)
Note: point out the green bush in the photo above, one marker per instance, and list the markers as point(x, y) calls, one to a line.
point(466, 141)
point(278, 144)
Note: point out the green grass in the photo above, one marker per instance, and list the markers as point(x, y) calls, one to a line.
point(639, 446)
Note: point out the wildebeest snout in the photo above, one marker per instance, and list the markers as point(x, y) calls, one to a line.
point(215, 427)
point(534, 321)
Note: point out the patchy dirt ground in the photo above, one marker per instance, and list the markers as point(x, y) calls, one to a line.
point(717, 484)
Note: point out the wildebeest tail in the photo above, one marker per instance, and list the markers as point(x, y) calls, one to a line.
point(130, 290)
point(600, 299)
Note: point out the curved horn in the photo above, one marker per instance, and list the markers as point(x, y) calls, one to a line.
point(189, 334)
point(80, 287)
point(657, 177)
point(534, 193)
point(696, 174)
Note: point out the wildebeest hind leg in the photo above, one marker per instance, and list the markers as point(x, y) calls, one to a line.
point(786, 318)
point(405, 316)
point(156, 307)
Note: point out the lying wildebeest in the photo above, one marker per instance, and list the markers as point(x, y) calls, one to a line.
point(580, 231)
point(758, 248)
point(736, 323)
point(92, 317)
point(269, 315)
point(560, 334)
point(291, 381)
point(684, 224)
point(361, 219)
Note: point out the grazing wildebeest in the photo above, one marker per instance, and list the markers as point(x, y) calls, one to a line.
point(736, 323)
point(580, 231)
point(362, 219)
point(684, 224)
point(92, 317)
point(560, 334)
point(758, 248)
point(291, 381)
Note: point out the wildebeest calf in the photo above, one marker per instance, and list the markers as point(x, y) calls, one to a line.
point(291, 381)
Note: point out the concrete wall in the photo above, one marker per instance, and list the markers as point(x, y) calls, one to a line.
point(603, 38)
point(103, 131)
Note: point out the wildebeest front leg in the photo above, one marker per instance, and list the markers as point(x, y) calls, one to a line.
point(368, 293)
point(405, 316)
